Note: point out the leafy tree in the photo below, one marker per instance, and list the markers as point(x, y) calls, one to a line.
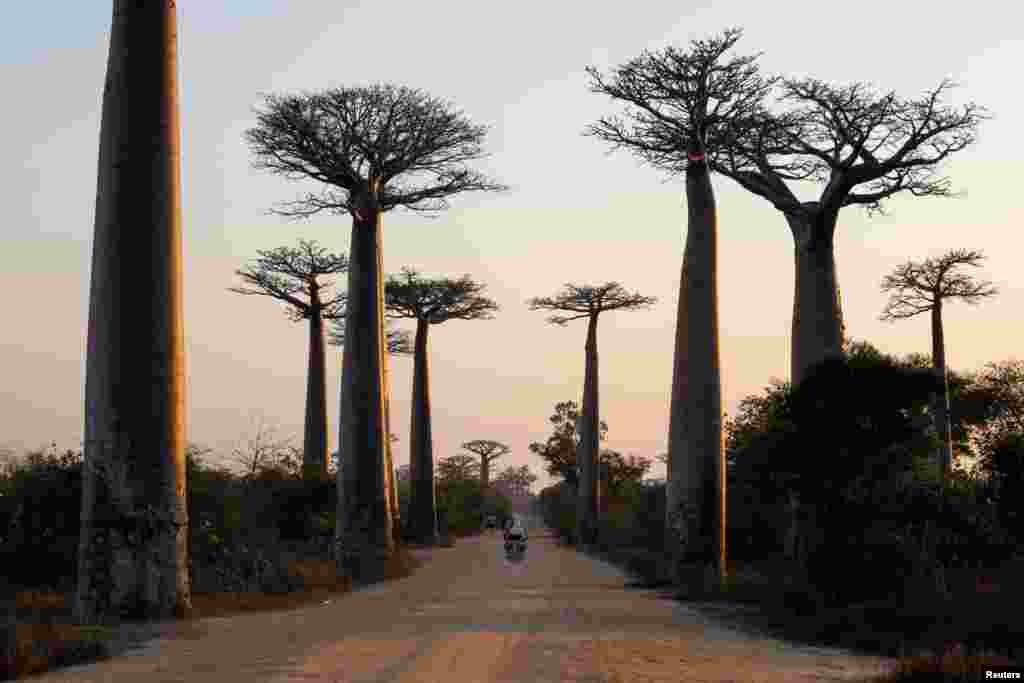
point(515, 481)
point(133, 488)
point(865, 147)
point(457, 467)
point(923, 287)
point(559, 451)
point(375, 148)
point(293, 276)
point(429, 302)
point(617, 470)
point(589, 302)
point(681, 105)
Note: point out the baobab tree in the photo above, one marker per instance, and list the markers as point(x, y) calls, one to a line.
point(374, 149)
point(488, 451)
point(133, 544)
point(865, 147)
point(681, 105)
point(922, 287)
point(587, 301)
point(294, 277)
point(399, 343)
point(429, 302)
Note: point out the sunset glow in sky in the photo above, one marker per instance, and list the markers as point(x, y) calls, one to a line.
point(574, 213)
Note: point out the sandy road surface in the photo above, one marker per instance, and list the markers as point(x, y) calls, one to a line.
point(470, 615)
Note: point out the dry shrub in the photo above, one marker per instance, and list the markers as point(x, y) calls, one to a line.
point(318, 573)
point(33, 648)
point(39, 599)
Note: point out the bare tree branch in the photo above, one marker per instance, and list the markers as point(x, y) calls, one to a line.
point(436, 301)
point(916, 287)
point(286, 272)
point(590, 300)
point(399, 342)
point(391, 145)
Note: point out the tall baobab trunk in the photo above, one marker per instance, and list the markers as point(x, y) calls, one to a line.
point(133, 545)
point(314, 443)
point(818, 333)
point(366, 540)
point(817, 311)
point(422, 517)
point(392, 486)
point(940, 402)
point(695, 495)
point(586, 498)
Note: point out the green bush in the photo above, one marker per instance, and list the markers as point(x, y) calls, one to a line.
point(42, 507)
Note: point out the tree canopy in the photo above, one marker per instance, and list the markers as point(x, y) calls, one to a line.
point(384, 145)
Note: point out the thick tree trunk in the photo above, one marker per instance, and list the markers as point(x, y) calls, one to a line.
point(364, 536)
point(940, 402)
point(392, 485)
point(314, 442)
point(817, 311)
point(586, 501)
point(695, 495)
point(133, 545)
point(423, 517)
point(818, 331)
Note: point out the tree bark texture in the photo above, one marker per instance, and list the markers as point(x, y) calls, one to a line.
point(423, 517)
point(586, 501)
point(817, 311)
point(364, 538)
point(695, 495)
point(133, 545)
point(314, 443)
point(392, 485)
point(940, 402)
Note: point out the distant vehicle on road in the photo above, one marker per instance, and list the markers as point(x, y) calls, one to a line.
point(491, 522)
point(515, 535)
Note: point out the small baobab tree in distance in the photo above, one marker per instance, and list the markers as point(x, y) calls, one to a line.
point(587, 301)
point(294, 276)
point(917, 287)
point(487, 451)
point(399, 343)
point(681, 106)
point(373, 148)
point(133, 543)
point(864, 147)
point(429, 302)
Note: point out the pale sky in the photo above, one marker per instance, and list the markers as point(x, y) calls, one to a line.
point(574, 213)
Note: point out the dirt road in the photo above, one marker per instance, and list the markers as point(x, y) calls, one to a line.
point(470, 615)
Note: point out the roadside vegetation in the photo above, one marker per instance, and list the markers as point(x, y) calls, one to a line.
point(881, 556)
point(260, 540)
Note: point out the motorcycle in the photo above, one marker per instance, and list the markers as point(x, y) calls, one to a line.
point(515, 544)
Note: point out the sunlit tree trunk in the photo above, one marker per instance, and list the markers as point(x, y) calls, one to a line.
point(817, 310)
point(392, 486)
point(314, 443)
point(423, 517)
point(695, 494)
point(366, 540)
point(940, 402)
point(587, 452)
point(133, 545)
